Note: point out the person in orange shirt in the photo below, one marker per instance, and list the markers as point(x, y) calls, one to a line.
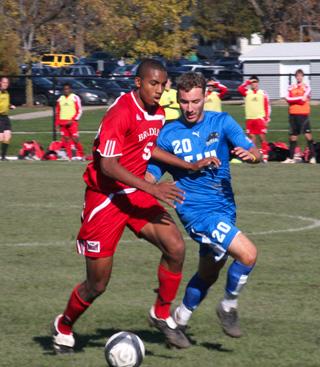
point(298, 98)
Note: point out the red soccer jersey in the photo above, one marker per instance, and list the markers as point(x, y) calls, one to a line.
point(127, 131)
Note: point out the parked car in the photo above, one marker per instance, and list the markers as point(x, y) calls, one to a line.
point(58, 60)
point(110, 87)
point(228, 62)
point(231, 79)
point(88, 96)
point(101, 55)
point(43, 91)
point(125, 71)
point(78, 70)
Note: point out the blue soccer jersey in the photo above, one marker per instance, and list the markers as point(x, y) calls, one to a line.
point(208, 212)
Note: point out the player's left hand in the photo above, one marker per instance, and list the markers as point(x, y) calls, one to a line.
point(206, 162)
point(243, 154)
point(12, 107)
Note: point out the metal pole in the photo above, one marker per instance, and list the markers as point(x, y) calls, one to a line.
point(54, 130)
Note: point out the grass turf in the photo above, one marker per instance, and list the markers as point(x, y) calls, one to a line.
point(279, 309)
point(40, 128)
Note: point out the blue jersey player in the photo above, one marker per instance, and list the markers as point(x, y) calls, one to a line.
point(208, 212)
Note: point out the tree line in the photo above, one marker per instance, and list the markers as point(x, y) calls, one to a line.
point(136, 28)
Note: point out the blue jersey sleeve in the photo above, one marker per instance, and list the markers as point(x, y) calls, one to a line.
point(235, 134)
point(157, 169)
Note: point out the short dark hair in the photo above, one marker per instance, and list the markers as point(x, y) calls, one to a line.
point(67, 84)
point(299, 71)
point(254, 77)
point(146, 64)
point(190, 80)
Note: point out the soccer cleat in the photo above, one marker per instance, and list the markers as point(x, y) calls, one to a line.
point(289, 160)
point(229, 321)
point(174, 335)
point(312, 160)
point(62, 343)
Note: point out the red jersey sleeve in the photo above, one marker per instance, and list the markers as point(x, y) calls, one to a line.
point(112, 132)
point(242, 89)
point(223, 90)
point(267, 107)
point(78, 107)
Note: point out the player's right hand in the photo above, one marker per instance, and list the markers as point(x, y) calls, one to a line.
point(205, 162)
point(168, 192)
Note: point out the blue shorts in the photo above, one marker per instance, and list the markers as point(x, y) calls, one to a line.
point(214, 233)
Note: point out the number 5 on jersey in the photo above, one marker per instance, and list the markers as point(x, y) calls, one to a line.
point(147, 151)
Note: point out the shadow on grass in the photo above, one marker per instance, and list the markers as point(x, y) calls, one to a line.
point(98, 340)
point(216, 346)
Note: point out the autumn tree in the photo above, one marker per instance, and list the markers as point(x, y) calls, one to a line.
point(287, 18)
point(224, 20)
point(26, 17)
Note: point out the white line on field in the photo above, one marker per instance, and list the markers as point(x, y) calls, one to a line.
point(314, 223)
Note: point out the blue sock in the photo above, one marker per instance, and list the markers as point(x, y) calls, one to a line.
point(195, 292)
point(237, 277)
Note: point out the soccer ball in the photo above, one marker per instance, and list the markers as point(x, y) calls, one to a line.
point(124, 349)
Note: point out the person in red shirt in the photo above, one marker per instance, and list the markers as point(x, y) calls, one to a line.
point(68, 113)
point(298, 98)
point(257, 111)
point(118, 196)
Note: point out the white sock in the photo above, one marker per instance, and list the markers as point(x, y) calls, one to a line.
point(229, 302)
point(182, 315)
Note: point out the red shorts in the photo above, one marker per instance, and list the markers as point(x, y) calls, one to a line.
point(70, 131)
point(104, 219)
point(256, 126)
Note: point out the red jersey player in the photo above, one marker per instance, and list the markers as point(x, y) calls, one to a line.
point(68, 113)
point(117, 196)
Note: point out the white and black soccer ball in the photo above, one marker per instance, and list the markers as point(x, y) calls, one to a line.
point(124, 349)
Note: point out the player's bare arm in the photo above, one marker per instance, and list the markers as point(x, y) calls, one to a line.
point(250, 156)
point(164, 191)
point(168, 158)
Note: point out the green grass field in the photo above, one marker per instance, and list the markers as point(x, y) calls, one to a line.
point(40, 208)
point(40, 128)
point(278, 207)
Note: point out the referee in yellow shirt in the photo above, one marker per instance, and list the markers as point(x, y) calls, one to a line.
point(169, 102)
point(5, 124)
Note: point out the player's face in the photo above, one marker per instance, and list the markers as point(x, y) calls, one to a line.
point(255, 85)
point(151, 86)
point(4, 83)
point(66, 90)
point(191, 104)
point(210, 87)
point(299, 77)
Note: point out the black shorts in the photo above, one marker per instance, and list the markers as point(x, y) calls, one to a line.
point(299, 124)
point(5, 123)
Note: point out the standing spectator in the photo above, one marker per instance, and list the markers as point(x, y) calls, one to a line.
point(214, 94)
point(169, 102)
point(257, 111)
point(5, 124)
point(68, 113)
point(298, 98)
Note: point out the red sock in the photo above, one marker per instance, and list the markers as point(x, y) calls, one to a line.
point(265, 148)
point(75, 308)
point(168, 287)
point(68, 148)
point(79, 149)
